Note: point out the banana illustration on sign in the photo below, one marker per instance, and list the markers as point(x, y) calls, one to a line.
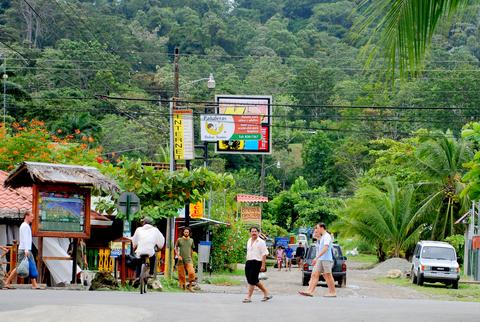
point(212, 130)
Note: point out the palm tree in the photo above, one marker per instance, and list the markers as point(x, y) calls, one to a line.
point(405, 28)
point(442, 158)
point(386, 218)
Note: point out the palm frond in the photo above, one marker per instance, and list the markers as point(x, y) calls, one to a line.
point(405, 29)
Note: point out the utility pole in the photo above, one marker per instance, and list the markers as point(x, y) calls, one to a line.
point(262, 176)
point(169, 260)
point(4, 77)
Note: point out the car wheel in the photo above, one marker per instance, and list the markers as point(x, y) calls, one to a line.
point(414, 278)
point(343, 282)
point(455, 285)
point(419, 279)
point(305, 280)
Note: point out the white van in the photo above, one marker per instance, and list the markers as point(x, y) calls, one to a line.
point(435, 261)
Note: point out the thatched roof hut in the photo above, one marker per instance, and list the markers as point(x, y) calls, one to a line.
point(29, 173)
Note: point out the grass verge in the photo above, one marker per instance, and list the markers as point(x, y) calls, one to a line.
point(465, 292)
point(222, 281)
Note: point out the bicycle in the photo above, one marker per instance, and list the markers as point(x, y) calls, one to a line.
point(144, 273)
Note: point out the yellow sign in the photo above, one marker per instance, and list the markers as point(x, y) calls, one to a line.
point(252, 214)
point(196, 210)
point(183, 145)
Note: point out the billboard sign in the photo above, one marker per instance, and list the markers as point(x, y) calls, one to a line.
point(258, 106)
point(230, 127)
point(183, 145)
point(252, 215)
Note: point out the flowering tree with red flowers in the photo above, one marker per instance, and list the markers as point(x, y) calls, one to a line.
point(31, 141)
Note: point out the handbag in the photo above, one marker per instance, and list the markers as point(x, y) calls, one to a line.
point(262, 276)
point(23, 268)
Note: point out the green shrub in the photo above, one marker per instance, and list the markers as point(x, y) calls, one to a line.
point(458, 242)
point(228, 245)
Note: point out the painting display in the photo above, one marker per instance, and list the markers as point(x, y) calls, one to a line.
point(61, 211)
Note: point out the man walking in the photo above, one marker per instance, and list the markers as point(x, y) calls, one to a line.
point(299, 253)
point(25, 250)
point(322, 263)
point(184, 251)
point(256, 262)
point(288, 258)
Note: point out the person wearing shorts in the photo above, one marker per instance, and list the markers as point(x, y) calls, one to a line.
point(322, 264)
point(25, 250)
point(279, 254)
point(256, 262)
point(288, 258)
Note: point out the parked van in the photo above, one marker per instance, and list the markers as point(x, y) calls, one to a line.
point(435, 261)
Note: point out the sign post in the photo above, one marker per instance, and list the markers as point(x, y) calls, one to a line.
point(129, 204)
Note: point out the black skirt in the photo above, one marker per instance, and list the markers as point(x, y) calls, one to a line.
point(252, 269)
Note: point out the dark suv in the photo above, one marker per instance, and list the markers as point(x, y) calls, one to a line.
point(339, 269)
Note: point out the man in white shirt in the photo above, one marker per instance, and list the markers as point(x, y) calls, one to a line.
point(322, 264)
point(256, 262)
point(145, 240)
point(25, 250)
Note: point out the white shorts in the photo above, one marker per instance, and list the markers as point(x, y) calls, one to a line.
point(323, 266)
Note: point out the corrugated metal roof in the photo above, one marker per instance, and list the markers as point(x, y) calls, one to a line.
point(251, 198)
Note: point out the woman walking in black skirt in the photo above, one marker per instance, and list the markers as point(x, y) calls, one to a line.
point(256, 262)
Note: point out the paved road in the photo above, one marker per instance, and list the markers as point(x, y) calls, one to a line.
point(73, 306)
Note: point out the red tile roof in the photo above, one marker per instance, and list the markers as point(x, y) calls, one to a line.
point(13, 202)
point(251, 198)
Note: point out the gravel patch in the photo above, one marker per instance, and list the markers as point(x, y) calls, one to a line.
point(392, 263)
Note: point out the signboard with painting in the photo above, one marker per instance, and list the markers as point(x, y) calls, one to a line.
point(247, 141)
point(61, 211)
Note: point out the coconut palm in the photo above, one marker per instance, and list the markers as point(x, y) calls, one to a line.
point(405, 28)
point(441, 158)
point(386, 218)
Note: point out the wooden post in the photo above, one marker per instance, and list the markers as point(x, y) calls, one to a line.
point(40, 259)
point(123, 273)
point(74, 261)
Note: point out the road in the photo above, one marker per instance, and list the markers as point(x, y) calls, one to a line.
point(72, 306)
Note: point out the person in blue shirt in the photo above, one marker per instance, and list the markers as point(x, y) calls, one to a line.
point(322, 264)
point(288, 256)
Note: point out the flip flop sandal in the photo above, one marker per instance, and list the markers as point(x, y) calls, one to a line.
point(326, 295)
point(8, 288)
point(266, 298)
point(305, 294)
point(247, 301)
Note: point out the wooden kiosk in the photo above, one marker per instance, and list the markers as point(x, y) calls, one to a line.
point(61, 201)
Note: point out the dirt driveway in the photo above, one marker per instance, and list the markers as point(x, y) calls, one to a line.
point(360, 283)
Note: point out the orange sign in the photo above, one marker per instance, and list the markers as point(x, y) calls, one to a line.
point(252, 214)
point(196, 210)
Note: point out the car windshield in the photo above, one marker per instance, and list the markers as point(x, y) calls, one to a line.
point(440, 253)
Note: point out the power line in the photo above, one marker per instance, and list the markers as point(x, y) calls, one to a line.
point(333, 106)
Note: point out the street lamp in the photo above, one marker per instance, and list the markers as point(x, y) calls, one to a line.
point(263, 170)
point(210, 82)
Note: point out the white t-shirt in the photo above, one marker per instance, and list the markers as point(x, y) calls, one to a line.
point(25, 237)
point(256, 250)
point(146, 238)
point(326, 240)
